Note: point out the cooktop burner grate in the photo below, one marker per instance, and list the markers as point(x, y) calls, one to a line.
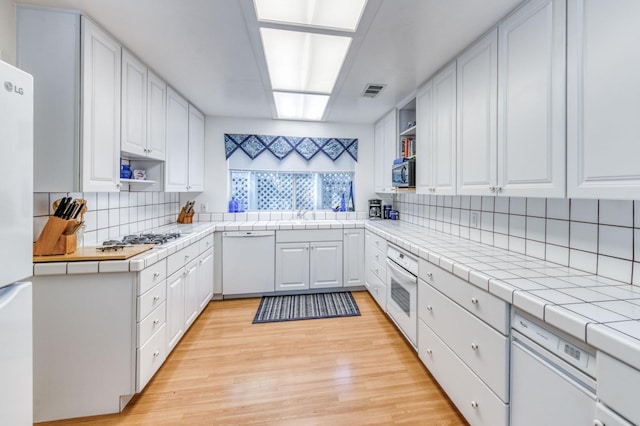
point(149, 238)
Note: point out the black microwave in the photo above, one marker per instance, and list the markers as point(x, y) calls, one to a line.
point(403, 174)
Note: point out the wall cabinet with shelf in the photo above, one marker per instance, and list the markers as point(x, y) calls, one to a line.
point(77, 67)
point(407, 129)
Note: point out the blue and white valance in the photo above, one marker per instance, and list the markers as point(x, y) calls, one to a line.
point(282, 146)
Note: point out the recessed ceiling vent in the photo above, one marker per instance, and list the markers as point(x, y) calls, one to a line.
point(371, 90)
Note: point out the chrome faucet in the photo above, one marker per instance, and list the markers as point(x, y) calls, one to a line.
point(301, 213)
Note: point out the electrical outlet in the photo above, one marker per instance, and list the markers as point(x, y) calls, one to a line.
point(475, 219)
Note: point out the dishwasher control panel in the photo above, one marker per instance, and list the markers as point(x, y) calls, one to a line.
point(565, 347)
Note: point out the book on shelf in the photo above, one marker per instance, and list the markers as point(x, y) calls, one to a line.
point(408, 147)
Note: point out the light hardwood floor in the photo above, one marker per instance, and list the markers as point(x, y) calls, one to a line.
point(340, 371)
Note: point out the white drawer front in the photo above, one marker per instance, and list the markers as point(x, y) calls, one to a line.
point(378, 289)
point(379, 270)
point(485, 306)
point(151, 324)
point(151, 300)
point(618, 386)
point(473, 398)
point(375, 256)
point(482, 348)
point(180, 258)
point(206, 243)
point(150, 357)
point(151, 276)
point(375, 241)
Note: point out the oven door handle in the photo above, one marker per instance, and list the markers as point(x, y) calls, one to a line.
point(399, 271)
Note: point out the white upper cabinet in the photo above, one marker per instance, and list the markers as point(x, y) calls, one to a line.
point(177, 164)
point(603, 103)
point(385, 140)
point(196, 150)
point(156, 116)
point(424, 139)
point(76, 69)
point(477, 120)
point(443, 154)
point(143, 110)
point(101, 58)
point(134, 105)
point(532, 100)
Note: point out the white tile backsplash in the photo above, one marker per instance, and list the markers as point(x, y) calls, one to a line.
point(594, 236)
point(616, 241)
point(615, 212)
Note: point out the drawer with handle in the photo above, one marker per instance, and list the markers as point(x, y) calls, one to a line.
point(481, 347)
point(150, 357)
point(477, 403)
point(151, 276)
point(151, 323)
point(206, 243)
point(151, 300)
point(180, 258)
point(484, 305)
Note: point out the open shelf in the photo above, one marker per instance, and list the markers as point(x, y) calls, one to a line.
point(137, 181)
point(411, 131)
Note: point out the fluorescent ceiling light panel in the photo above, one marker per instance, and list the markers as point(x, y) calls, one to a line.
point(300, 106)
point(303, 62)
point(334, 14)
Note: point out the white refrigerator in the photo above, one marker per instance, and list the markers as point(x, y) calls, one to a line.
point(16, 246)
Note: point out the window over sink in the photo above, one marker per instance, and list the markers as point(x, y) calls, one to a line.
point(276, 190)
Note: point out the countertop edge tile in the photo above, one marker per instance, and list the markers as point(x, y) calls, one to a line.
point(615, 343)
point(568, 321)
point(530, 303)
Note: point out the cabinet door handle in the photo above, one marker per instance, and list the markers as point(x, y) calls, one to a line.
point(430, 275)
point(492, 188)
point(429, 351)
point(499, 189)
point(474, 301)
point(376, 270)
point(474, 404)
point(118, 184)
point(474, 346)
point(156, 275)
point(156, 298)
point(597, 422)
point(429, 308)
point(156, 321)
point(156, 354)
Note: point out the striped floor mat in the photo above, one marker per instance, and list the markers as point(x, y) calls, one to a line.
point(306, 306)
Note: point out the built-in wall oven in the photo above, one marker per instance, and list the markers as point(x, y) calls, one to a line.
point(402, 291)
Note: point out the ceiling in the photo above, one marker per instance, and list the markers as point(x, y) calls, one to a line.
point(208, 49)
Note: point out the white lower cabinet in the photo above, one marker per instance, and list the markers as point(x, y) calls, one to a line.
point(463, 339)
point(325, 264)
point(150, 357)
point(191, 305)
point(477, 403)
point(205, 278)
point(292, 266)
point(617, 388)
point(483, 349)
point(376, 269)
point(308, 259)
point(175, 309)
point(353, 261)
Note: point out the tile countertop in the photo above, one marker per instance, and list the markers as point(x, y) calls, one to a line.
point(191, 233)
point(599, 311)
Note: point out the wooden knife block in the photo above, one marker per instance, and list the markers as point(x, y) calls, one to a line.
point(185, 217)
point(52, 239)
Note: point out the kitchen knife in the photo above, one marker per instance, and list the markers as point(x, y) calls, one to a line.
point(78, 209)
point(69, 210)
point(62, 206)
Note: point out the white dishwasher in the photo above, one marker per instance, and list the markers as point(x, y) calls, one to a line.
point(552, 376)
point(248, 262)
